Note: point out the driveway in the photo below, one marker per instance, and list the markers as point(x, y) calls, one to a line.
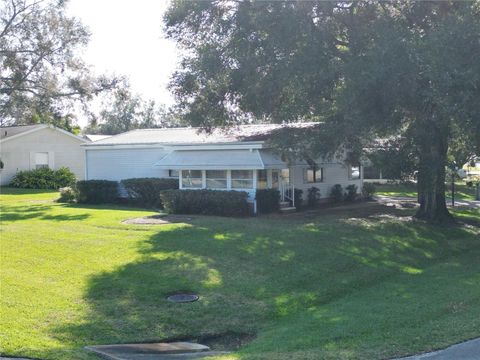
point(468, 350)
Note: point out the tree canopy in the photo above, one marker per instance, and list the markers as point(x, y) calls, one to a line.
point(41, 73)
point(363, 69)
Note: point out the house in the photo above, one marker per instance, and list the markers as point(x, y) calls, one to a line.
point(33, 146)
point(239, 159)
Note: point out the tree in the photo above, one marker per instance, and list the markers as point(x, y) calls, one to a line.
point(364, 69)
point(122, 110)
point(41, 75)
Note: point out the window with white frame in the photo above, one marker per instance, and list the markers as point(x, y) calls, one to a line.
point(242, 179)
point(173, 173)
point(313, 175)
point(262, 179)
point(354, 173)
point(41, 160)
point(192, 179)
point(216, 179)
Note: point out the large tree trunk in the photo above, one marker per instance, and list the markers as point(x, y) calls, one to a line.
point(431, 180)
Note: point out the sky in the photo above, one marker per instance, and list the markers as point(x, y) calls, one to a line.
point(127, 39)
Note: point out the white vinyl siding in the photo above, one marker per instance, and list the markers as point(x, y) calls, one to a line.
point(119, 164)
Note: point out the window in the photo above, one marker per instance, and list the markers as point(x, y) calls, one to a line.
point(192, 179)
point(313, 175)
point(242, 179)
point(216, 179)
point(41, 160)
point(173, 173)
point(354, 172)
point(262, 179)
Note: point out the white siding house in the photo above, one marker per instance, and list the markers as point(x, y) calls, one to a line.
point(33, 146)
point(235, 160)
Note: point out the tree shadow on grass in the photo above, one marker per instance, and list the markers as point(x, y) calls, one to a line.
point(254, 272)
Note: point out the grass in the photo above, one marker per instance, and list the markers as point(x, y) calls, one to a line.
point(462, 191)
point(364, 283)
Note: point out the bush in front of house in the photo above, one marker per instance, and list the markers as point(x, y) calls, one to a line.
point(205, 202)
point(351, 193)
point(96, 191)
point(68, 194)
point(313, 196)
point(336, 193)
point(43, 178)
point(368, 190)
point(268, 200)
point(146, 191)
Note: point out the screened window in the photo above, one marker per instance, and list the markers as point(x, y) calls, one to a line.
point(262, 179)
point(242, 179)
point(173, 173)
point(41, 160)
point(192, 179)
point(313, 175)
point(216, 179)
point(354, 172)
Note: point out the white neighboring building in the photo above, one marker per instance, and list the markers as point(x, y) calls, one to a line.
point(236, 160)
point(32, 146)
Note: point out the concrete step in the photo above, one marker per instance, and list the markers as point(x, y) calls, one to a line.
point(287, 210)
point(126, 351)
point(284, 204)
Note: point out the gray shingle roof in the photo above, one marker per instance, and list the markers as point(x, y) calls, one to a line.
point(189, 135)
point(9, 131)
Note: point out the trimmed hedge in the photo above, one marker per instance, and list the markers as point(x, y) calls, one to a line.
point(146, 191)
point(43, 178)
point(205, 202)
point(368, 190)
point(268, 200)
point(351, 193)
point(97, 191)
point(336, 193)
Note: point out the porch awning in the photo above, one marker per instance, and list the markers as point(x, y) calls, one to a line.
point(220, 160)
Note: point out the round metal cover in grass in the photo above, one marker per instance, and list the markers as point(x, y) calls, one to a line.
point(183, 298)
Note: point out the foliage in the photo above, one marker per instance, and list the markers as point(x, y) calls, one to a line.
point(40, 70)
point(97, 191)
point(124, 110)
point(92, 270)
point(68, 194)
point(146, 191)
point(313, 196)
point(205, 202)
point(268, 200)
point(43, 178)
point(368, 190)
point(336, 193)
point(365, 69)
point(351, 193)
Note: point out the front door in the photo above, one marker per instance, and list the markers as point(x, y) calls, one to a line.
point(275, 179)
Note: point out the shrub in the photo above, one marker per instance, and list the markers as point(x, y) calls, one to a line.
point(97, 191)
point(146, 191)
point(368, 190)
point(313, 196)
point(337, 193)
point(268, 200)
point(68, 194)
point(43, 178)
point(298, 197)
point(205, 202)
point(351, 193)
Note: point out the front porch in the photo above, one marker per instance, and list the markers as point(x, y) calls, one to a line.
point(239, 170)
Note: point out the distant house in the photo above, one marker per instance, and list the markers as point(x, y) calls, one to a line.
point(34, 146)
point(237, 160)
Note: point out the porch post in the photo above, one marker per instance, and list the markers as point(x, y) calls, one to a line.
point(180, 179)
point(292, 177)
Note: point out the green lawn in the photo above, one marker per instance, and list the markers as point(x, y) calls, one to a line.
point(462, 191)
point(367, 283)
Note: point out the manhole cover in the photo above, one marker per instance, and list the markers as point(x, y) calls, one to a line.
point(182, 298)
